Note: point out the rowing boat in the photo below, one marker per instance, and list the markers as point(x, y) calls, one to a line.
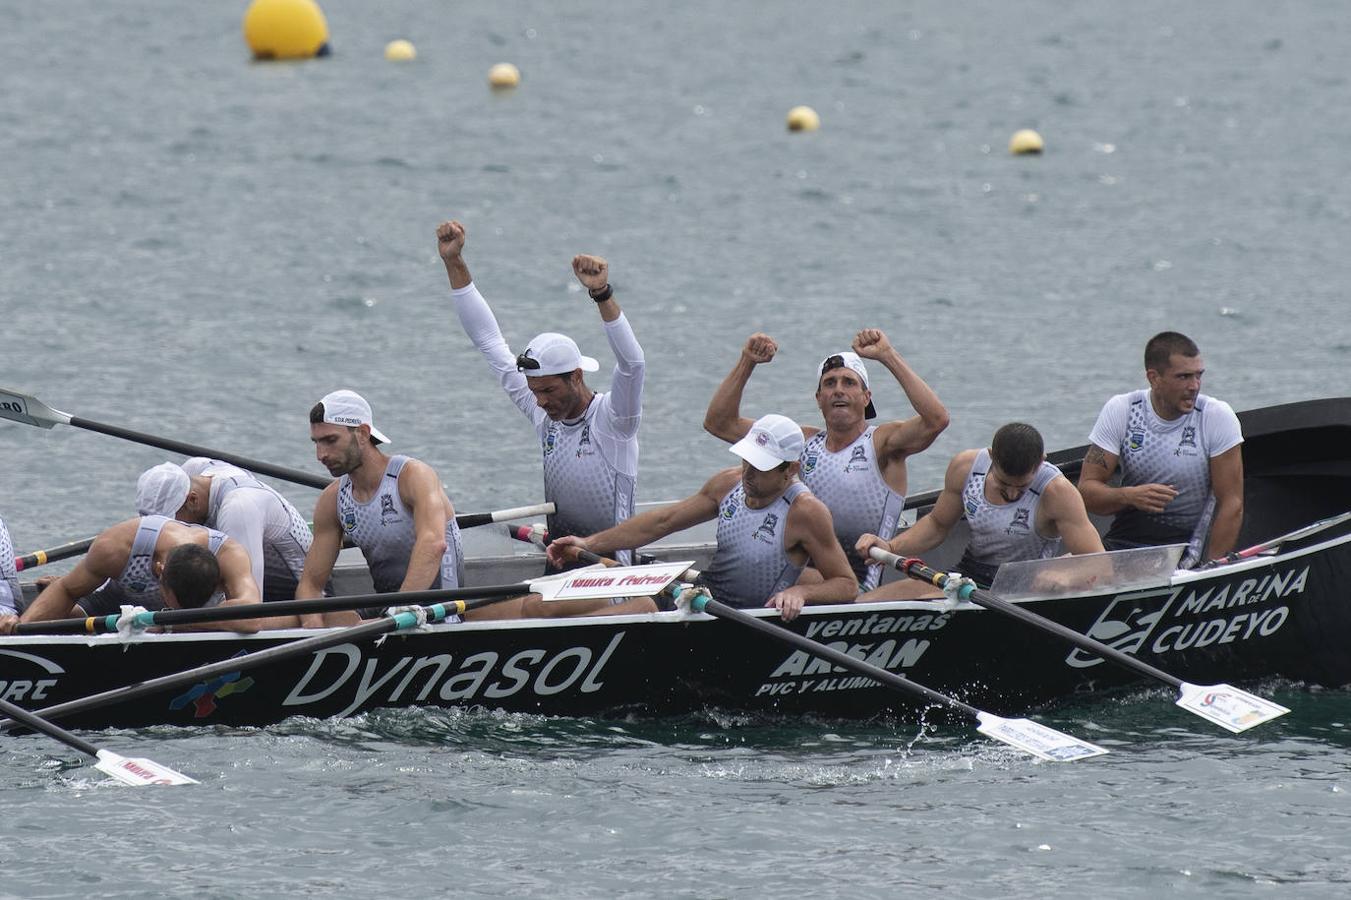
point(1279, 611)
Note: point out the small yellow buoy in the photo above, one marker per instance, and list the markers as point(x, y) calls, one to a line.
point(285, 29)
point(400, 51)
point(1025, 141)
point(803, 118)
point(504, 75)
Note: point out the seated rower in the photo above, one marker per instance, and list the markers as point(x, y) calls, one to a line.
point(11, 596)
point(156, 563)
point(224, 497)
point(1017, 505)
point(770, 527)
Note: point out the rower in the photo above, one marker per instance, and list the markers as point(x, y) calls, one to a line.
point(1180, 457)
point(11, 595)
point(770, 527)
point(858, 470)
point(156, 563)
point(1018, 506)
point(589, 440)
point(218, 495)
point(392, 507)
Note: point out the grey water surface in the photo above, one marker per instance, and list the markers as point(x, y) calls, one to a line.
point(199, 246)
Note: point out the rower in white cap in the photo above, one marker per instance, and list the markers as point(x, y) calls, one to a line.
point(857, 469)
point(589, 439)
point(770, 528)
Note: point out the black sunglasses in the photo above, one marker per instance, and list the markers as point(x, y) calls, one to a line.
point(833, 362)
point(526, 362)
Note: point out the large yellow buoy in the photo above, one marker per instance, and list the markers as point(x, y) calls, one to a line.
point(1025, 141)
point(286, 29)
point(400, 51)
point(504, 76)
point(803, 118)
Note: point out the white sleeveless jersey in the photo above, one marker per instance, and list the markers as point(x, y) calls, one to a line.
point(10, 592)
point(750, 564)
point(272, 531)
point(137, 585)
point(1151, 450)
point(590, 494)
point(851, 486)
point(383, 529)
point(1005, 532)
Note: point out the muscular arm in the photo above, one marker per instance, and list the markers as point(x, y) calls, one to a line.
point(421, 492)
point(1226, 482)
point(1064, 506)
point(812, 531)
point(723, 417)
point(236, 574)
point(1104, 500)
point(933, 529)
point(57, 600)
point(897, 440)
point(323, 552)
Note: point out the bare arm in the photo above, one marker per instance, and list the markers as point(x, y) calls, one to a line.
point(812, 532)
point(1104, 500)
point(323, 553)
point(57, 600)
point(420, 490)
point(933, 529)
point(1064, 506)
point(899, 439)
point(652, 525)
point(723, 418)
point(1226, 482)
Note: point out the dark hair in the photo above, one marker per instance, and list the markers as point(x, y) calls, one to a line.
point(317, 413)
point(192, 573)
point(1161, 347)
point(1017, 449)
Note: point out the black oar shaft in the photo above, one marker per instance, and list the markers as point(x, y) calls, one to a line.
point(830, 654)
point(980, 597)
point(42, 557)
point(293, 475)
point(37, 723)
point(103, 625)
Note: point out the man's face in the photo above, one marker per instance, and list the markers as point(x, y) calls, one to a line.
point(337, 447)
point(766, 485)
point(558, 395)
point(1008, 488)
point(841, 396)
point(1176, 387)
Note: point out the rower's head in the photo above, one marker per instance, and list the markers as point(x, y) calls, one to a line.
point(842, 390)
point(1174, 368)
point(163, 491)
point(189, 576)
point(553, 366)
point(342, 431)
point(1016, 453)
point(769, 453)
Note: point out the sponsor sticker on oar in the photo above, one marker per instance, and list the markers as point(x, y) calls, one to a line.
point(138, 772)
point(1228, 706)
point(1036, 739)
point(618, 581)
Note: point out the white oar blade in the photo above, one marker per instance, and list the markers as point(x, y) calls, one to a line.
point(139, 772)
point(1036, 739)
point(616, 581)
point(29, 410)
point(1227, 706)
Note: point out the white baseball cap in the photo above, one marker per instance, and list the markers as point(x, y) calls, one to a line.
point(351, 409)
point(772, 441)
point(553, 354)
point(161, 491)
point(848, 360)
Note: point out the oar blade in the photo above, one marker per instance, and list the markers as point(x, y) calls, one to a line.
point(138, 772)
point(29, 410)
point(1037, 739)
point(595, 582)
point(1228, 706)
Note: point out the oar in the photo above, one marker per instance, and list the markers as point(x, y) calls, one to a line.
point(1029, 736)
point(134, 771)
point(1225, 705)
point(1259, 549)
point(465, 520)
point(32, 411)
point(545, 586)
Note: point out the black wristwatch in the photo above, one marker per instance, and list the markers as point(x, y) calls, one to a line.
point(601, 295)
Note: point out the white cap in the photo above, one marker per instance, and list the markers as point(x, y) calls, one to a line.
point(553, 354)
point(161, 491)
point(772, 441)
point(351, 409)
point(849, 360)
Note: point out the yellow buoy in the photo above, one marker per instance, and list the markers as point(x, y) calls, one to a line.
point(803, 118)
point(504, 75)
point(1025, 141)
point(400, 51)
point(285, 29)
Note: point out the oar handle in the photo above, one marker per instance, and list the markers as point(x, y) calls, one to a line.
point(704, 603)
point(42, 557)
point(916, 568)
point(470, 520)
point(37, 723)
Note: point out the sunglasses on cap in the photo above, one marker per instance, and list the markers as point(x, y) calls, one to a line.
point(832, 362)
point(526, 362)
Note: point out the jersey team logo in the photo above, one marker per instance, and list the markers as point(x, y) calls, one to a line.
point(809, 463)
point(387, 511)
point(584, 442)
point(859, 457)
point(1137, 440)
point(729, 507)
point(349, 520)
point(1020, 522)
point(766, 530)
point(1188, 439)
point(550, 441)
